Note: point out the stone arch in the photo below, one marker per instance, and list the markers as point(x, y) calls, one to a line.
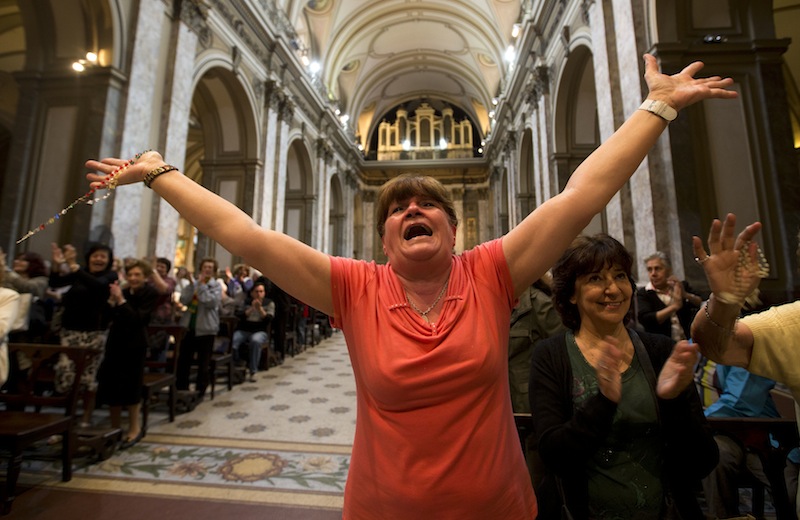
point(576, 130)
point(221, 154)
point(299, 199)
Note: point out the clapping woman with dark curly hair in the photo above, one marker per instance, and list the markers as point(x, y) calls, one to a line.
point(620, 427)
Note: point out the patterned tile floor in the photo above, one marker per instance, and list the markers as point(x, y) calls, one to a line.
point(285, 439)
point(308, 399)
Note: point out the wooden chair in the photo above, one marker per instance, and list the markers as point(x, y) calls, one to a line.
point(311, 322)
point(325, 329)
point(269, 358)
point(784, 431)
point(222, 362)
point(160, 365)
point(33, 387)
point(292, 344)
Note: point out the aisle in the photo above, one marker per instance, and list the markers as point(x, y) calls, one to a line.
point(283, 441)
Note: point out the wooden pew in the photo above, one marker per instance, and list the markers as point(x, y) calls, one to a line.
point(160, 364)
point(30, 389)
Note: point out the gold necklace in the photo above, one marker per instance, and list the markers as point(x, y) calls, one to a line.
point(424, 313)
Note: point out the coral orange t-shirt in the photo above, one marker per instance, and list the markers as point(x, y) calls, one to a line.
point(435, 434)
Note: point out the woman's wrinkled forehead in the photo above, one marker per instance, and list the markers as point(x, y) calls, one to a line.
point(405, 191)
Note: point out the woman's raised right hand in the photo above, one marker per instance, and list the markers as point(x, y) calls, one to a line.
point(131, 174)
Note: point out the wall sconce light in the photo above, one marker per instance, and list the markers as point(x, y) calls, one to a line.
point(89, 61)
point(515, 30)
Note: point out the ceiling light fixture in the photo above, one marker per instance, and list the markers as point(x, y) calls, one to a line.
point(510, 54)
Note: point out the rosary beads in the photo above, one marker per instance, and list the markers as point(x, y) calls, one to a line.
point(109, 182)
point(746, 269)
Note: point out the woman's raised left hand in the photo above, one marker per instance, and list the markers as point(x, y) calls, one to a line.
point(678, 371)
point(683, 89)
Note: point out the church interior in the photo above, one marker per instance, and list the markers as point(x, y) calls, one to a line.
point(297, 111)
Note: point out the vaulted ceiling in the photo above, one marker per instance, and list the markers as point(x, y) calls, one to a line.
point(376, 54)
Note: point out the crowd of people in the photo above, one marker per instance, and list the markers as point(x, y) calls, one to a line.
point(112, 306)
point(618, 424)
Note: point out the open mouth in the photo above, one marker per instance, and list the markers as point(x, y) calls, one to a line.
point(417, 230)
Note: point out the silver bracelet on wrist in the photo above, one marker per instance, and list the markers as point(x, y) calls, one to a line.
point(730, 332)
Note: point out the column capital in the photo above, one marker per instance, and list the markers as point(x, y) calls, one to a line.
point(286, 110)
point(273, 96)
point(194, 13)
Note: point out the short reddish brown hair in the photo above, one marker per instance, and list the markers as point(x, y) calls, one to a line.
point(408, 185)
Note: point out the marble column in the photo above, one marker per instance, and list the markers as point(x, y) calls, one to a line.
point(178, 108)
point(538, 180)
point(640, 183)
point(271, 104)
point(543, 123)
point(138, 131)
point(324, 203)
point(598, 14)
point(285, 118)
point(321, 190)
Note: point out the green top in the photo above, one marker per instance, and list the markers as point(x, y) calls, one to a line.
point(624, 475)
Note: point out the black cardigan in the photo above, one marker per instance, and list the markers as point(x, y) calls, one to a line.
point(567, 438)
point(648, 304)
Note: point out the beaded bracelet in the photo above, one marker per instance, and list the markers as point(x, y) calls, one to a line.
point(152, 174)
point(730, 332)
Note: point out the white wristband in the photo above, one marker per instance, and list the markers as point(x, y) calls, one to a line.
point(659, 108)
